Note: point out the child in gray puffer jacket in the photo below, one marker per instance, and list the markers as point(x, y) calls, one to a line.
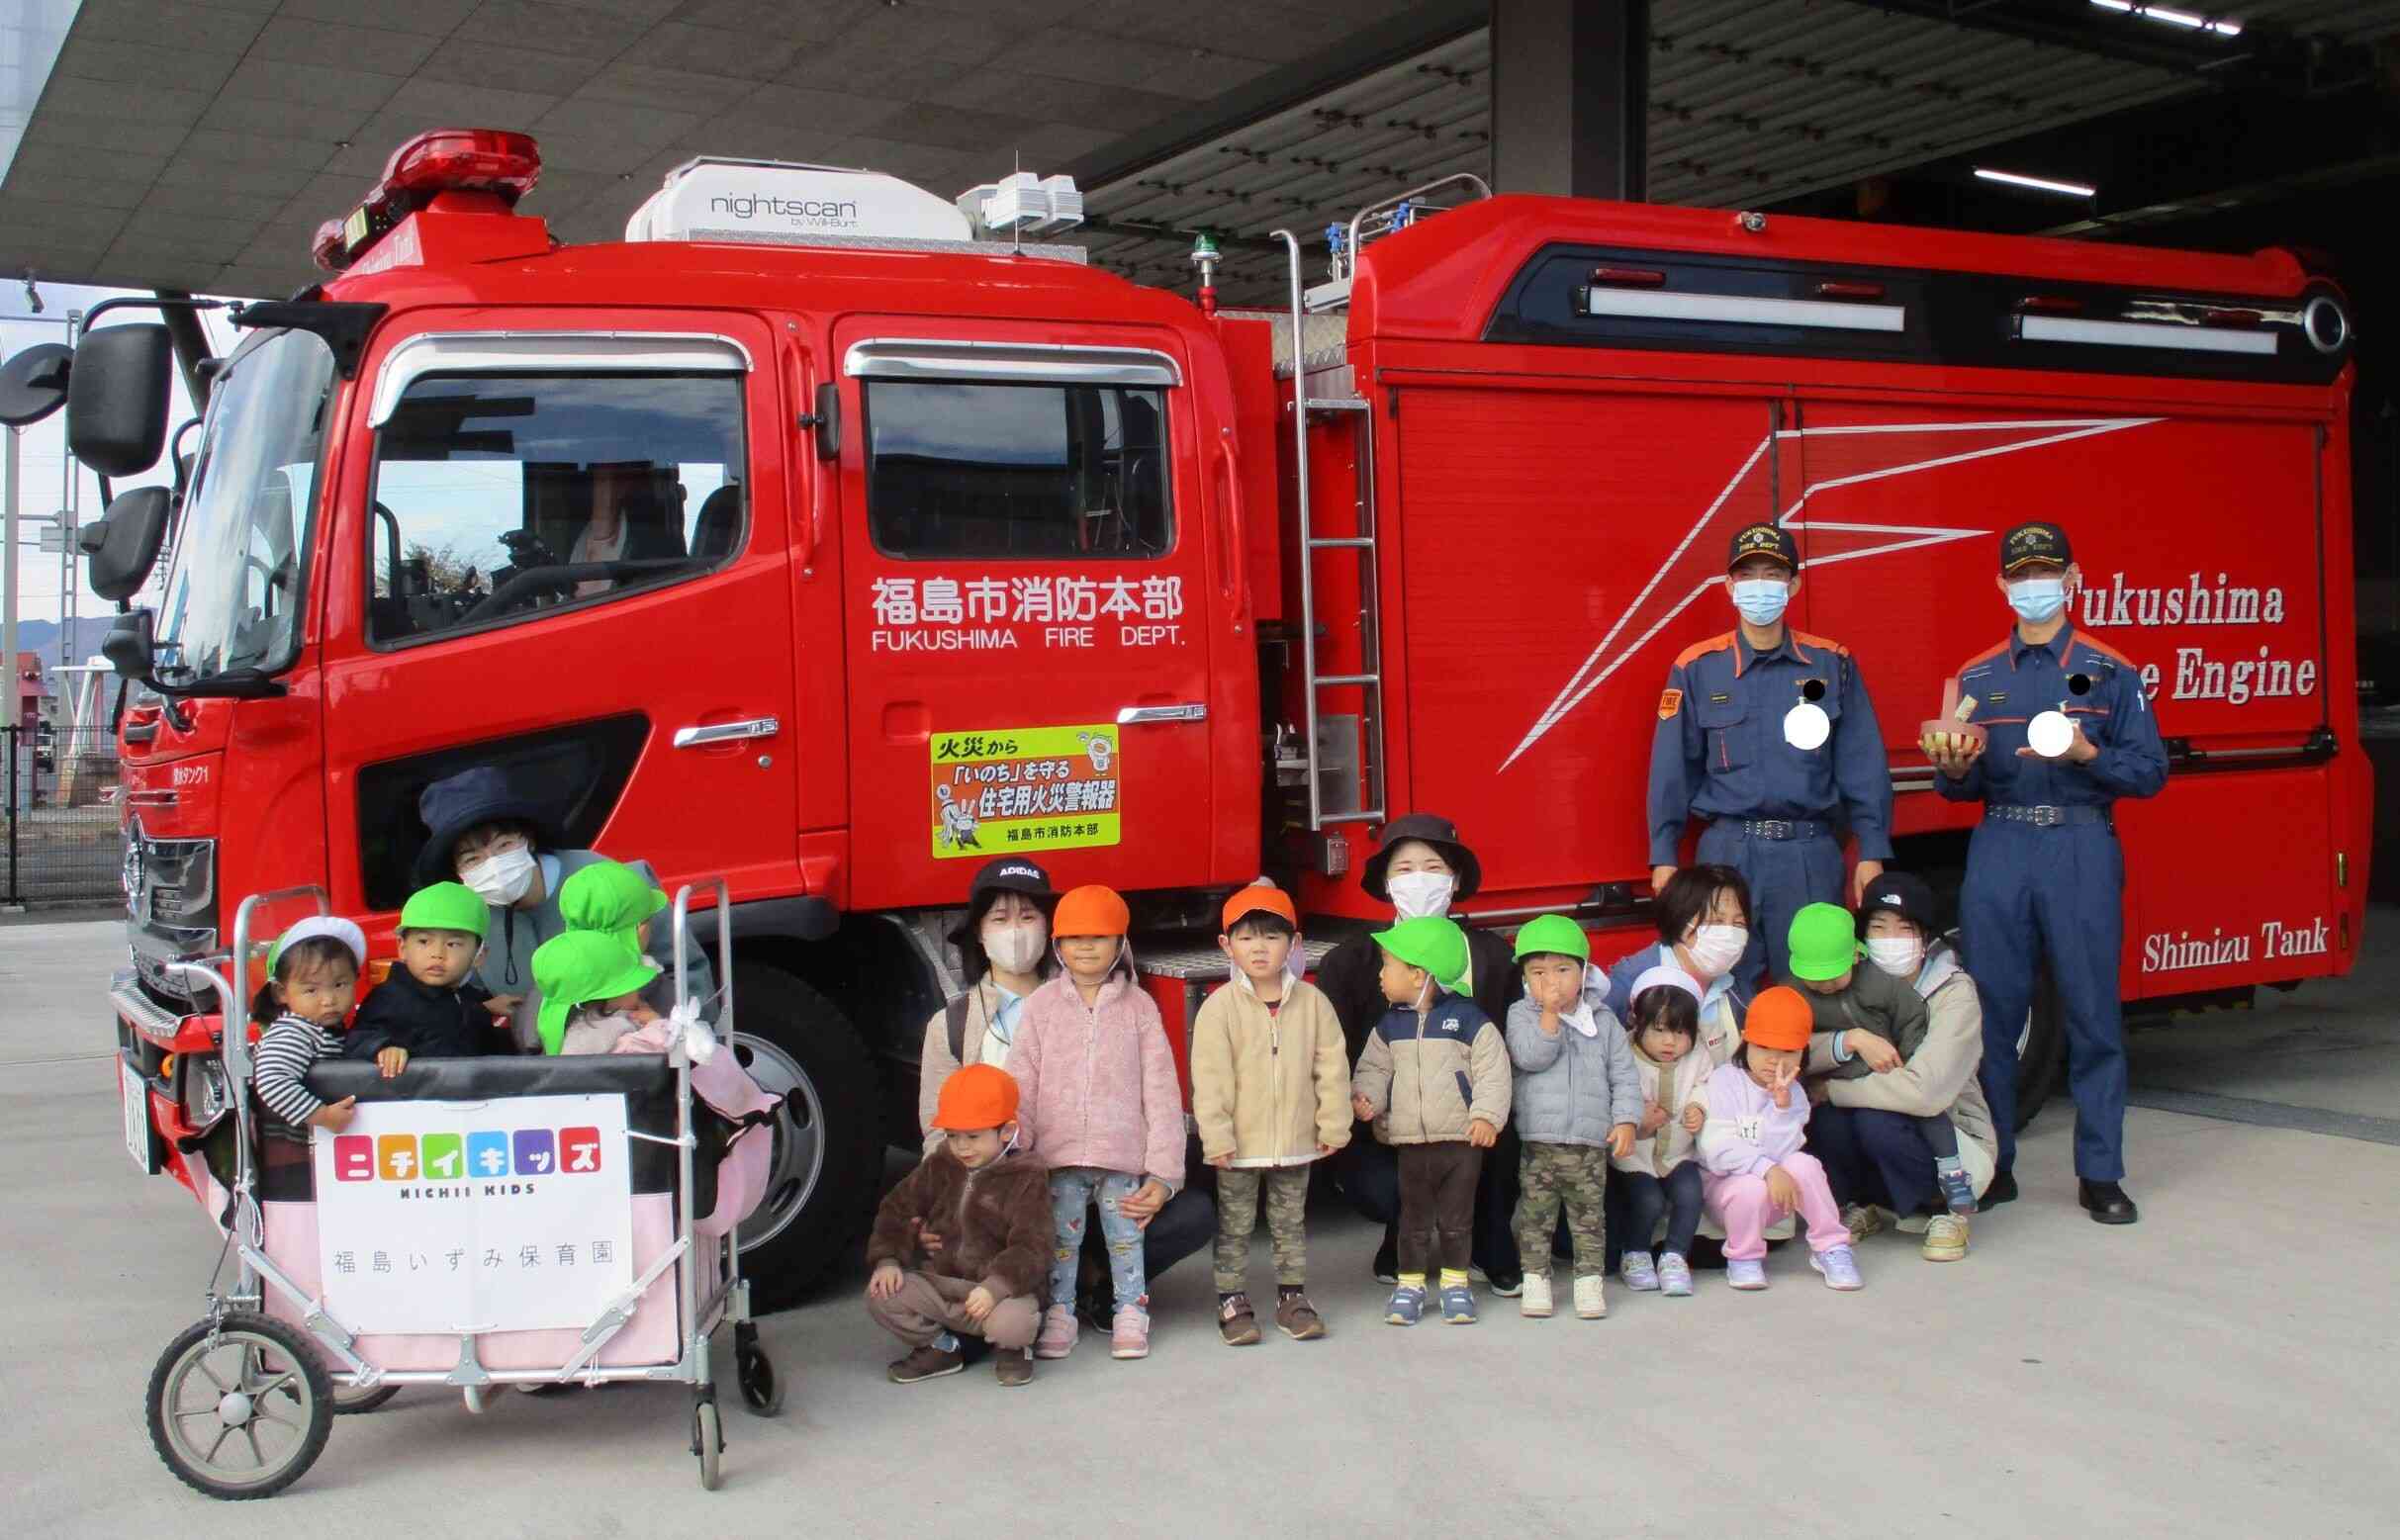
point(1577, 1099)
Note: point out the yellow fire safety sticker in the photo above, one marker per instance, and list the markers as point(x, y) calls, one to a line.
point(1025, 789)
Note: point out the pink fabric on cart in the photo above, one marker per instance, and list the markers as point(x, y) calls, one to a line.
point(650, 1337)
point(741, 1172)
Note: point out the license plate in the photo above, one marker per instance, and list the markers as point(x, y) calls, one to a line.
point(137, 1100)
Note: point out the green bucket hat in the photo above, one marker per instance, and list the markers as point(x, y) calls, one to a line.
point(1554, 933)
point(1431, 942)
point(446, 906)
point(611, 897)
point(577, 967)
point(1824, 941)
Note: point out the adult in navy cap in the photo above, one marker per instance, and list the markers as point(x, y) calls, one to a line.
point(2045, 876)
point(1422, 867)
point(1767, 733)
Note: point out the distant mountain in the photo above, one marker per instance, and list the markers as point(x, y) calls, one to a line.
point(41, 637)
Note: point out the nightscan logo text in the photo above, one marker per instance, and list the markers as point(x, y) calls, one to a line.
point(805, 213)
point(452, 1157)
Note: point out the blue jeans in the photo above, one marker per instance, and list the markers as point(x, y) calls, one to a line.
point(1072, 1191)
point(1678, 1197)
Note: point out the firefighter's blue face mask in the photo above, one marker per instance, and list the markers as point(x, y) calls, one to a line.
point(1761, 600)
point(2037, 600)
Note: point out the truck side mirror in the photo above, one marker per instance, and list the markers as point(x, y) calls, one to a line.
point(117, 397)
point(128, 647)
point(33, 385)
point(122, 546)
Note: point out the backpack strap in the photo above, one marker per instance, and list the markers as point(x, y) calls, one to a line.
point(954, 1016)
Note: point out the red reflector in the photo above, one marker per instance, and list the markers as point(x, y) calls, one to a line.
point(481, 160)
point(1842, 291)
point(1628, 277)
point(2050, 305)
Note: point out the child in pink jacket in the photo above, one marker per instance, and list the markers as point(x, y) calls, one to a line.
point(1754, 1170)
point(1101, 1107)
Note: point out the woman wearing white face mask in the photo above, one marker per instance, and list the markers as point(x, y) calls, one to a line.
point(1703, 930)
point(1864, 1130)
point(1422, 868)
point(1004, 951)
point(500, 841)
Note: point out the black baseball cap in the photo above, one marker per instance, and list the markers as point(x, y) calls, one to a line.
point(1763, 540)
point(2036, 542)
point(1010, 873)
point(1902, 894)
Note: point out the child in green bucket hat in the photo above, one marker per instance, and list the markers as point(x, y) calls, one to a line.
point(1876, 1023)
point(622, 901)
point(430, 1006)
point(1433, 1080)
point(591, 987)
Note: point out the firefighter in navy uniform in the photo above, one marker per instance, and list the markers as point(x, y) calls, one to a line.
point(2045, 876)
point(1767, 733)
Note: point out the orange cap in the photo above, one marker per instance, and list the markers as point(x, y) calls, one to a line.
point(979, 1096)
point(1090, 910)
point(1257, 897)
point(1778, 1018)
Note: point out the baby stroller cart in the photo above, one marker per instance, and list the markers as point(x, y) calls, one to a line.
point(479, 1223)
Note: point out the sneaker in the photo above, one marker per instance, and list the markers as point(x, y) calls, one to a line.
point(1458, 1306)
point(1591, 1303)
point(1638, 1271)
point(1236, 1321)
point(1911, 1224)
point(1945, 1238)
point(1297, 1318)
point(1537, 1299)
point(1839, 1265)
point(2001, 1189)
point(1749, 1273)
point(1506, 1285)
point(1407, 1306)
point(1387, 1260)
point(1060, 1329)
point(1958, 1190)
point(926, 1363)
point(1129, 1336)
point(1012, 1366)
point(1861, 1220)
point(1673, 1276)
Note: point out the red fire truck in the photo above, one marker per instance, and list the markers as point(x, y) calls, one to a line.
point(821, 535)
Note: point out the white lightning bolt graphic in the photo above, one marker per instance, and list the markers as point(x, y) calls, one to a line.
point(1578, 689)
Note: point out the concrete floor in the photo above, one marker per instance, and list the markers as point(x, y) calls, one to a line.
point(2222, 1368)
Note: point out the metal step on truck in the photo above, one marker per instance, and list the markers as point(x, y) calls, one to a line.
point(834, 536)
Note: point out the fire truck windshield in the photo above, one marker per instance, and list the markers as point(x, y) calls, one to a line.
point(233, 589)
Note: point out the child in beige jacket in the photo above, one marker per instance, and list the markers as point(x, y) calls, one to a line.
point(1270, 1093)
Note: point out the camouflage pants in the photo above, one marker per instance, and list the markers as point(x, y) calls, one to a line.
point(1287, 1201)
point(1573, 1177)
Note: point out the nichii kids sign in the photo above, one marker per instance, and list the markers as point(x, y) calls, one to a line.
point(1025, 789)
point(446, 1216)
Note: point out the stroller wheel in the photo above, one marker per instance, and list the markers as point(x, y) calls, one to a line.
point(709, 1442)
point(753, 1372)
point(350, 1402)
point(240, 1406)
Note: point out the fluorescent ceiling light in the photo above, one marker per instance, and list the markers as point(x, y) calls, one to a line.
point(2223, 27)
point(2038, 183)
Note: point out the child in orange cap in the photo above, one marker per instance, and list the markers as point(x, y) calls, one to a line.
point(1266, 1114)
point(1103, 1108)
point(989, 1208)
point(1750, 1150)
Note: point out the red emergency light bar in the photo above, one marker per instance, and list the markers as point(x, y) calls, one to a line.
point(495, 161)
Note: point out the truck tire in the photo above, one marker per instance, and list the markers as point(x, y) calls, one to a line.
point(821, 1186)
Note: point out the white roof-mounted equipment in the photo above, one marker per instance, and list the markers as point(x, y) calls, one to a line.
point(787, 204)
point(1024, 205)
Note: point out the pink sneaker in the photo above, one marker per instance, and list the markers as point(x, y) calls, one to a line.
point(1058, 1332)
point(1130, 1338)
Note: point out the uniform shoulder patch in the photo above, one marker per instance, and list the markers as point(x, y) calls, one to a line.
point(1698, 650)
point(1670, 701)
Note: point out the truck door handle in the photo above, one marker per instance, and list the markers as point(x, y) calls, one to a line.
point(728, 732)
point(1129, 716)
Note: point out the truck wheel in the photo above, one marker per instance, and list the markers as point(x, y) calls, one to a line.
point(822, 1179)
point(2041, 1049)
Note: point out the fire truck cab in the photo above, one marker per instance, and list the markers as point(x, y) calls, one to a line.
point(821, 535)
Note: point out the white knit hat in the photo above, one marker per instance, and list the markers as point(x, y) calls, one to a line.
point(333, 926)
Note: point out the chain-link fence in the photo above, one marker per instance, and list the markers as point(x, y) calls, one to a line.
point(63, 844)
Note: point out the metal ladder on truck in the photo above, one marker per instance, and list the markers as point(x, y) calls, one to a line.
point(1376, 219)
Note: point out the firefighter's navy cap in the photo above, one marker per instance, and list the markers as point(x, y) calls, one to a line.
point(2036, 542)
point(1763, 540)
